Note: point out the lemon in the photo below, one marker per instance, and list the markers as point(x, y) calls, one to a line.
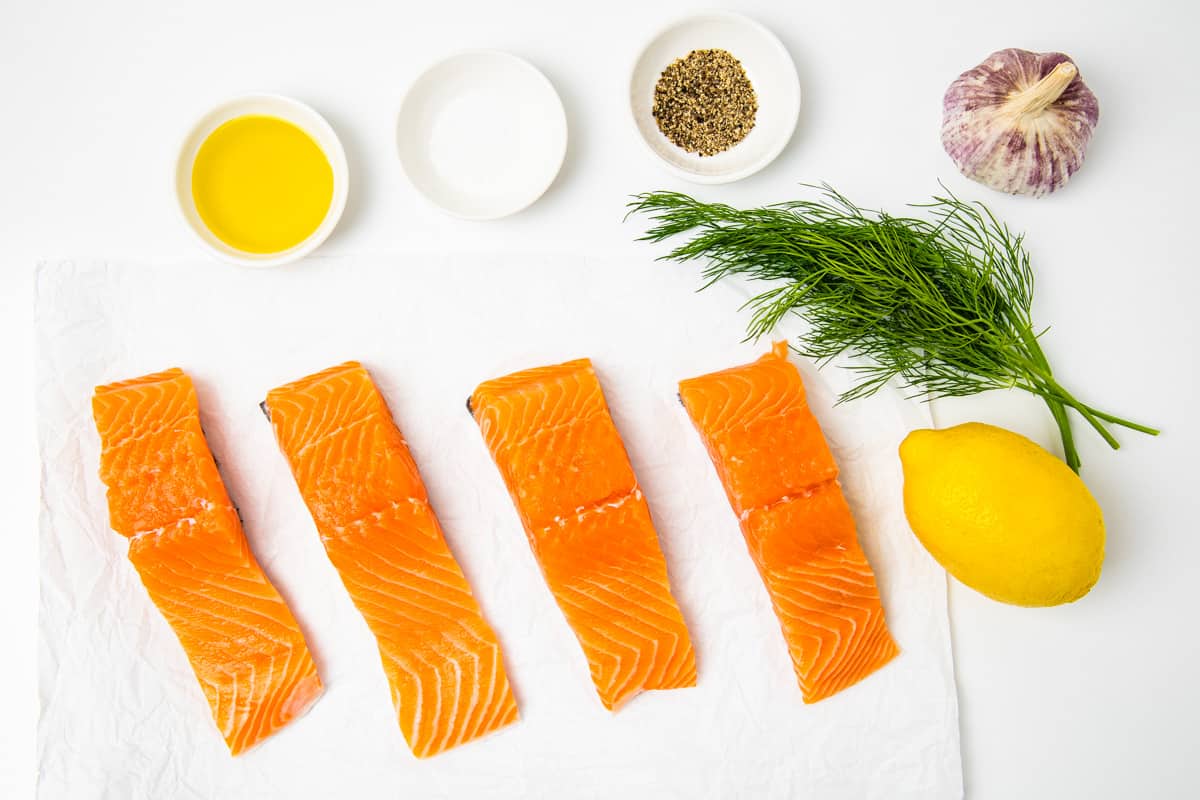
point(1002, 515)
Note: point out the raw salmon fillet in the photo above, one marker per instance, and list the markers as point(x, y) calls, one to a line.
point(354, 470)
point(554, 441)
point(185, 539)
point(781, 480)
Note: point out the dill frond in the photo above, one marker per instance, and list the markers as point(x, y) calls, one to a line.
point(941, 303)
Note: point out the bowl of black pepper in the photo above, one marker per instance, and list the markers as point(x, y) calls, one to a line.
point(715, 96)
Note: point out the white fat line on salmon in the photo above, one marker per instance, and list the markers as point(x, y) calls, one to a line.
point(787, 498)
point(518, 444)
point(756, 416)
point(206, 505)
point(600, 507)
point(171, 426)
point(377, 516)
point(330, 434)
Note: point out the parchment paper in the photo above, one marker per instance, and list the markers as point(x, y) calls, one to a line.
point(122, 714)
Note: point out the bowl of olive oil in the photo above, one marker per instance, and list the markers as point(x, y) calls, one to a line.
point(261, 180)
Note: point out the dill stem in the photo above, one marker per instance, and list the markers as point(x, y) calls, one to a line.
point(1124, 423)
point(1084, 412)
point(1060, 397)
point(1070, 452)
point(1094, 416)
point(1057, 409)
point(1053, 393)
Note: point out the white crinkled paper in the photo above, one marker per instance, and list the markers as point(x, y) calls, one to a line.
point(122, 715)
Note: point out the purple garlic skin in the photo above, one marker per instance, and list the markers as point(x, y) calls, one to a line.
point(1020, 122)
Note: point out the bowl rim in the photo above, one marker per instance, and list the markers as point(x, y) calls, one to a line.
point(776, 44)
point(311, 122)
point(560, 118)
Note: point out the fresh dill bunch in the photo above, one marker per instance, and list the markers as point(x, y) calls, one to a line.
point(942, 304)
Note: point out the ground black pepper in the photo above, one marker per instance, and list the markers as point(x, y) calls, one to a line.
point(704, 102)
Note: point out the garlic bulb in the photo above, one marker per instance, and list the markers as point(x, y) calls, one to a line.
point(1020, 121)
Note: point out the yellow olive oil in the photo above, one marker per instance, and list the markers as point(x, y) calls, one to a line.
point(261, 184)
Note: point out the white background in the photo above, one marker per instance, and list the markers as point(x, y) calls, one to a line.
point(1097, 699)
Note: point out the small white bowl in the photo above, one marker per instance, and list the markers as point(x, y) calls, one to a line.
point(482, 134)
point(769, 68)
point(271, 105)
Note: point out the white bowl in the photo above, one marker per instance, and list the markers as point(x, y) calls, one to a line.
point(271, 105)
point(769, 68)
point(482, 134)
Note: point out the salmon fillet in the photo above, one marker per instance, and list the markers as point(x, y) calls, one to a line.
point(551, 435)
point(355, 472)
point(781, 480)
point(186, 542)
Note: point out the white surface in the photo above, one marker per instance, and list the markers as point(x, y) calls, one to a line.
point(124, 716)
point(482, 134)
point(769, 68)
point(271, 105)
point(1097, 699)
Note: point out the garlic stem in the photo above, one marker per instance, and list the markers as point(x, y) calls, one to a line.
point(1038, 97)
